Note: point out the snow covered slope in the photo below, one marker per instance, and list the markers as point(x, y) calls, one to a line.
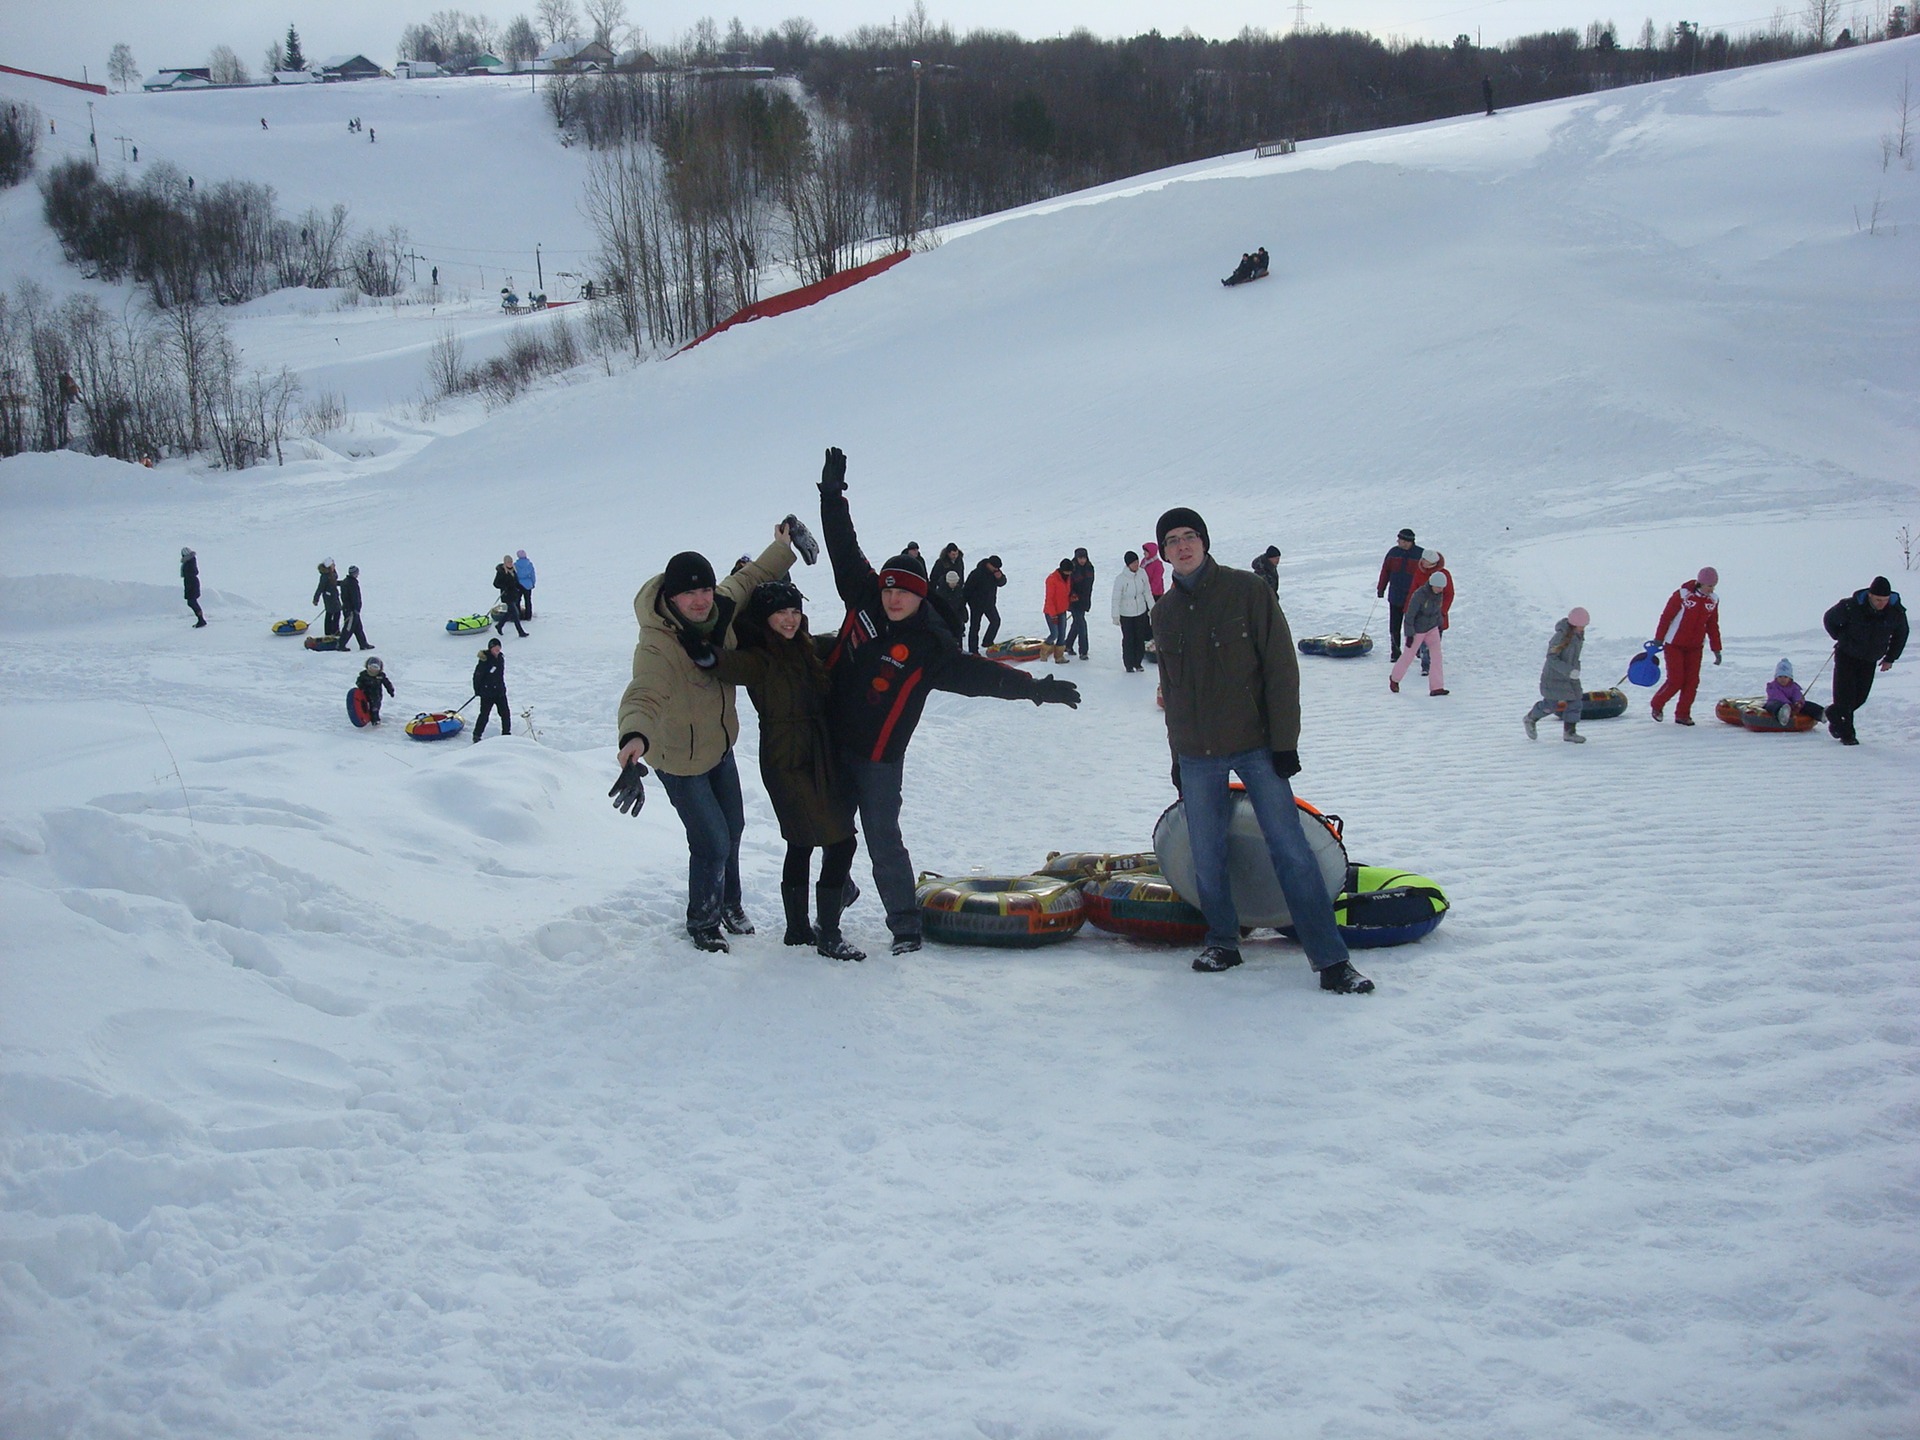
point(358, 1086)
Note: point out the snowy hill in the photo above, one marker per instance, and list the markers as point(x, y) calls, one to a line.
point(358, 1086)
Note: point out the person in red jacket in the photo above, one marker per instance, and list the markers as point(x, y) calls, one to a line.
point(1058, 598)
point(1690, 622)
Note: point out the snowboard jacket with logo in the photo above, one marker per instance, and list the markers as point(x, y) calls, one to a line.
point(1861, 632)
point(882, 671)
point(1131, 593)
point(1228, 671)
point(982, 588)
point(1396, 573)
point(686, 714)
point(1692, 618)
point(1560, 676)
point(1059, 593)
point(490, 676)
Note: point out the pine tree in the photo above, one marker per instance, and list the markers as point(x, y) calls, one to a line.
point(294, 59)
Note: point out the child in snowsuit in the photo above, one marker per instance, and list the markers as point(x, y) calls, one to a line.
point(370, 682)
point(490, 684)
point(1786, 701)
point(1425, 607)
point(777, 660)
point(327, 593)
point(1560, 692)
point(190, 583)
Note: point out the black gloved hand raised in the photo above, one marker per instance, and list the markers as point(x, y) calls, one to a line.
point(1048, 690)
point(627, 792)
point(698, 648)
point(1286, 763)
point(833, 474)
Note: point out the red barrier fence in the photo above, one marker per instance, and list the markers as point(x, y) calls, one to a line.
point(56, 80)
point(806, 295)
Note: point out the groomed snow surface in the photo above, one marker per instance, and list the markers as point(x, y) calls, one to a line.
point(358, 1087)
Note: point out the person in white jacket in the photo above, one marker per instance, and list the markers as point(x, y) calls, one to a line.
point(1132, 606)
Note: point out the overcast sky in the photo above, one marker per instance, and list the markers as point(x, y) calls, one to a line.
point(60, 39)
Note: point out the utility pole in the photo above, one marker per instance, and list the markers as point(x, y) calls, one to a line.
point(93, 136)
point(913, 183)
point(539, 273)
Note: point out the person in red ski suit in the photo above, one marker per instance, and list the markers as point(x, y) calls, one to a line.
point(1690, 622)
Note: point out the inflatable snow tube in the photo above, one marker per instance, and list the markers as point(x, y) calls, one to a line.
point(469, 625)
point(441, 725)
point(1380, 906)
point(1092, 864)
point(1762, 721)
point(1021, 648)
point(357, 709)
point(1729, 708)
point(1256, 891)
point(1339, 647)
point(1017, 912)
point(1142, 905)
point(289, 627)
point(325, 642)
point(1603, 704)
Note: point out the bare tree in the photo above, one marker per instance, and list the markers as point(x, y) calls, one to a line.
point(226, 68)
point(120, 66)
point(518, 43)
point(275, 60)
point(557, 20)
point(607, 17)
point(1820, 17)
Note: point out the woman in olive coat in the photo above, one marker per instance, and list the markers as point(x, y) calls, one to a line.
point(777, 661)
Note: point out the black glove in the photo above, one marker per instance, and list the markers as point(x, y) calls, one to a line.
point(1176, 774)
point(627, 792)
point(833, 474)
point(802, 540)
point(1716, 657)
point(697, 647)
point(1048, 690)
point(1286, 763)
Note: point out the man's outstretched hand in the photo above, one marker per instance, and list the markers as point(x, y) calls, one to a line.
point(1051, 691)
point(833, 474)
point(627, 792)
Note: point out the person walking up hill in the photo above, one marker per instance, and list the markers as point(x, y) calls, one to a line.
point(1869, 629)
point(1689, 623)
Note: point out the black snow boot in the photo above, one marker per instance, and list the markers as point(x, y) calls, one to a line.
point(708, 937)
point(1215, 958)
point(1343, 979)
point(735, 919)
point(794, 897)
point(828, 901)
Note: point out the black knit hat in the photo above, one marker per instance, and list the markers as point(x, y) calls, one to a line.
point(1174, 519)
point(689, 570)
point(1406, 535)
point(1880, 586)
point(1132, 556)
point(1273, 552)
point(773, 595)
point(901, 573)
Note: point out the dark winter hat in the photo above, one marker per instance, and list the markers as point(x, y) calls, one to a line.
point(374, 667)
point(774, 595)
point(494, 644)
point(1880, 586)
point(1273, 552)
point(1080, 552)
point(1133, 557)
point(1406, 535)
point(900, 574)
point(1175, 518)
point(353, 569)
point(1065, 567)
point(689, 570)
point(994, 560)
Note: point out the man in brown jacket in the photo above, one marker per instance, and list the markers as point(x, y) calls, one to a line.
point(681, 719)
point(1231, 683)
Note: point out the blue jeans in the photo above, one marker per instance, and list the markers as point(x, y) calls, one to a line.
point(1203, 785)
point(876, 791)
point(709, 806)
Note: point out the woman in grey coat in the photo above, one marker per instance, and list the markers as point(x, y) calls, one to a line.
point(1560, 692)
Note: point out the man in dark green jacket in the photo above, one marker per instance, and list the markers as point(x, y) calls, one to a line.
point(1231, 683)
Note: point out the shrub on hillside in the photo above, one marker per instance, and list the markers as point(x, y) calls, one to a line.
point(19, 139)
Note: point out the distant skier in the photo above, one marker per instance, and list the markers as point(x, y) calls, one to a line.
point(1267, 566)
point(327, 593)
point(263, 122)
point(1690, 621)
point(370, 682)
point(490, 684)
point(523, 572)
point(190, 583)
point(1786, 701)
point(983, 602)
point(508, 584)
point(1396, 578)
point(350, 626)
point(1560, 692)
point(1869, 628)
point(1132, 600)
point(1423, 632)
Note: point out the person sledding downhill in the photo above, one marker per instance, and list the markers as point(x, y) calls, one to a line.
point(1689, 623)
point(884, 662)
point(1251, 267)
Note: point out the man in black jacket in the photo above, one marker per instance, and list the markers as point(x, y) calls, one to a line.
point(327, 593)
point(885, 661)
point(350, 626)
point(1232, 688)
point(1079, 600)
point(190, 583)
point(983, 602)
point(1869, 628)
point(490, 684)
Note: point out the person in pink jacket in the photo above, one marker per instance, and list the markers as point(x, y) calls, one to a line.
point(1156, 569)
point(1690, 623)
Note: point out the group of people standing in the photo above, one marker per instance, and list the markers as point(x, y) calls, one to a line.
point(513, 580)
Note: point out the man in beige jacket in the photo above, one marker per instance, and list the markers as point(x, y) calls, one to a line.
point(682, 720)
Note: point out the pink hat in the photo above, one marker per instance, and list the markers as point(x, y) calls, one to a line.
point(1578, 617)
point(1709, 576)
